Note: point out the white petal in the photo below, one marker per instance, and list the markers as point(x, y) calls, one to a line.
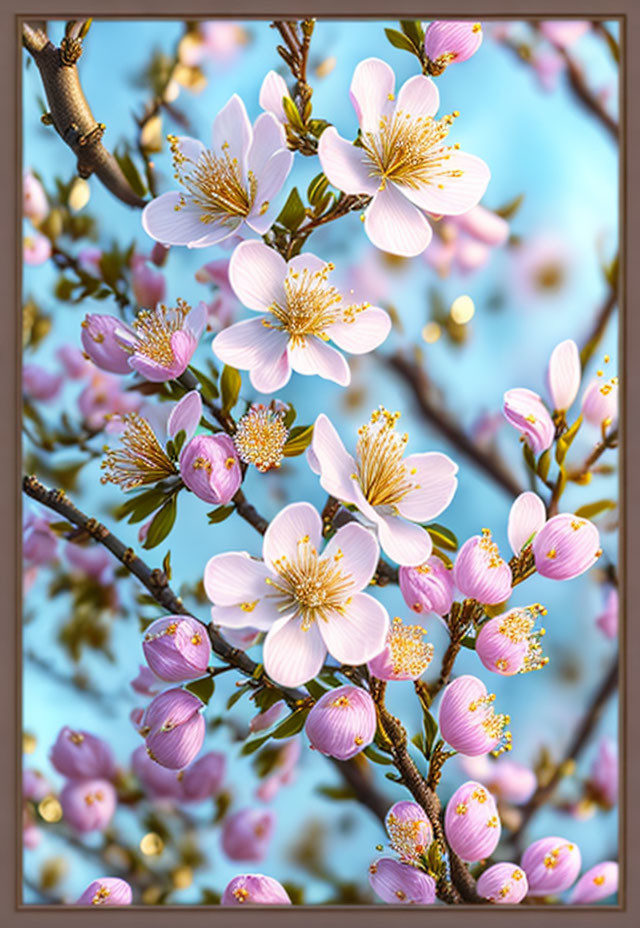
point(367, 331)
point(256, 273)
point(450, 196)
point(268, 137)
point(435, 475)
point(191, 149)
point(270, 181)
point(185, 415)
point(404, 542)
point(232, 127)
point(371, 92)
point(285, 533)
point(359, 634)
point(335, 465)
point(272, 91)
point(313, 356)
point(164, 223)
point(272, 376)
point(526, 517)
point(355, 551)
point(306, 261)
point(418, 97)
point(249, 344)
point(396, 225)
point(264, 613)
point(196, 320)
point(345, 165)
point(563, 374)
point(234, 578)
point(291, 655)
point(217, 232)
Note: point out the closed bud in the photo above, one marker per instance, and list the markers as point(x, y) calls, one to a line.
point(526, 412)
point(210, 468)
point(503, 884)
point(471, 822)
point(596, 884)
point(566, 546)
point(177, 648)
point(88, 805)
point(203, 779)
point(600, 402)
point(98, 337)
point(246, 834)
point(398, 884)
point(35, 205)
point(173, 728)
point(254, 889)
point(468, 721)
point(526, 517)
point(551, 865)
point(106, 891)
point(479, 571)
point(342, 723)
point(563, 374)
point(79, 755)
point(450, 41)
point(427, 588)
point(157, 781)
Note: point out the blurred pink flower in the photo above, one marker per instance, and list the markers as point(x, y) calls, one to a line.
point(607, 621)
point(40, 384)
point(106, 891)
point(146, 683)
point(254, 889)
point(564, 32)
point(603, 776)
point(342, 723)
point(221, 309)
point(283, 772)
point(216, 41)
point(596, 884)
point(39, 542)
point(600, 402)
point(88, 805)
point(103, 402)
point(246, 834)
point(148, 285)
point(203, 779)
point(76, 366)
point(81, 755)
point(36, 249)
point(158, 782)
point(35, 205)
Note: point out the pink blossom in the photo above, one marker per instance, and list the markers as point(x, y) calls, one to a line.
point(103, 402)
point(39, 383)
point(246, 834)
point(31, 835)
point(40, 543)
point(398, 884)
point(526, 517)
point(89, 260)
point(146, 683)
point(603, 777)
point(551, 865)
point(468, 721)
point(157, 781)
point(36, 249)
point(76, 366)
point(174, 728)
point(272, 91)
point(300, 311)
point(283, 771)
point(548, 65)
point(149, 286)
point(393, 493)
point(526, 412)
point(508, 644)
point(600, 402)
point(94, 561)
point(564, 32)
point(217, 42)
point(273, 595)
point(99, 340)
point(342, 723)
point(266, 719)
point(35, 786)
point(480, 573)
point(437, 179)
point(203, 779)
point(566, 546)
point(471, 822)
point(80, 755)
point(163, 341)
point(35, 205)
point(210, 468)
point(484, 225)
point(243, 638)
point(405, 655)
point(596, 884)
point(106, 890)
point(563, 374)
point(450, 41)
point(226, 188)
point(409, 831)
point(220, 311)
point(177, 648)
point(509, 780)
point(541, 267)
point(428, 587)
point(254, 889)
point(503, 884)
point(607, 621)
point(88, 805)
point(466, 240)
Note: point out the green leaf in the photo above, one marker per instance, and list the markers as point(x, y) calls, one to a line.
point(544, 462)
point(315, 689)
point(219, 514)
point(317, 189)
point(509, 209)
point(290, 416)
point(299, 439)
point(529, 458)
point(393, 776)
point(376, 757)
point(230, 383)
point(161, 524)
point(418, 740)
point(141, 505)
point(209, 389)
point(338, 793)
point(130, 171)
point(399, 40)
point(293, 211)
point(239, 693)
point(442, 536)
point(253, 744)
point(565, 441)
point(266, 697)
point(590, 510)
point(468, 642)
point(203, 689)
point(430, 731)
point(448, 563)
point(292, 724)
point(413, 30)
point(317, 126)
point(291, 112)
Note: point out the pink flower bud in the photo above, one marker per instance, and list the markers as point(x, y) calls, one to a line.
point(34, 785)
point(34, 200)
point(480, 572)
point(31, 836)
point(40, 544)
point(602, 785)
point(551, 865)
point(600, 402)
point(566, 546)
point(398, 884)
point(526, 517)
point(503, 884)
point(203, 779)
point(526, 412)
point(508, 644)
point(210, 468)
point(452, 40)
point(607, 621)
point(254, 889)
point(100, 343)
point(36, 249)
point(596, 884)
point(40, 384)
point(88, 805)
point(246, 834)
point(174, 728)
point(511, 781)
point(94, 562)
point(106, 891)
point(468, 721)
point(266, 719)
point(148, 286)
point(409, 830)
point(342, 723)
point(563, 374)
point(73, 361)
point(405, 655)
point(427, 588)
point(471, 822)
point(157, 781)
point(484, 225)
point(177, 648)
point(79, 755)
point(283, 771)
point(146, 683)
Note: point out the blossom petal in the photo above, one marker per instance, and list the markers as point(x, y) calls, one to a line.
point(232, 127)
point(306, 261)
point(263, 614)
point(313, 356)
point(435, 475)
point(526, 518)
point(293, 523)
point(271, 376)
point(451, 195)
point(395, 225)
point(293, 656)
point(563, 374)
point(270, 182)
point(235, 577)
point(164, 222)
point(249, 344)
point(217, 232)
point(335, 465)
point(272, 91)
point(358, 634)
point(185, 415)
point(404, 542)
point(268, 137)
point(355, 552)
point(367, 331)
point(345, 164)
point(418, 97)
point(371, 92)
point(256, 274)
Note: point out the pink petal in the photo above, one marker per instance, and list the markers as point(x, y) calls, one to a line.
point(291, 655)
point(262, 615)
point(355, 551)
point(163, 222)
point(256, 273)
point(268, 137)
point(371, 92)
point(450, 196)
point(313, 356)
point(526, 518)
point(294, 522)
point(249, 344)
point(196, 320)
point(360, 633)
point(346, 166)
point(185, 415)
point(484, 225)
point(270, 182)
point(418, 97)
point(404, 542)
point(217, 232)
point(335, 465)
point(306, 261)
point(367, 331)
point(272, 375)
point(395, 225)
point(563, 374)
point(232, 127)
point(272, 91)
point(435, 474)
point(234, 578)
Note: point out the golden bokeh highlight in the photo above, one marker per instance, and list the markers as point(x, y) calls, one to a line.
point(182, 877)
point(29, 742)
point(462, 309)
point(50, 809)
point(431, 332)
point(152, 844)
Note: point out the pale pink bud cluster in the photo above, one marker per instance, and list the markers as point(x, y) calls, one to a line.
point(396, 883)
point(40, 543)
point(177, 648)
point(427, 588)
point(508, 644)
point(479, 571)
point(342, 723)
point(503, 884)
point(88, 805)
point(35, 205)
point(468, 721)
point(551, 865)
point(210, 468)
point(410, 832)
point(246, 834)
point(80, 755)
point(566, 546)
point(254, 889)
point(450, 41)
point(596, 884)
point(40, 384)
point(36, 249)
point(405, 655)
point(173, 728)
point(471, 822)
point(106, 890)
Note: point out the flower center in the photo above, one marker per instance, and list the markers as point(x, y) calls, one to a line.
point(517, 626)
point(101, 895)
point(383, 477)
point(489, 549)
point(407, 149)
point(260, 437)
point(155, 328)
point(315, 587)
point(215, 183)
point(409, 839)
point(409, 653)
point(140, 459)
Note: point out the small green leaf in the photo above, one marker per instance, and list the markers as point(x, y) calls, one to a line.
point(290, 416)
point(317, 189)
point(203, 689)
point(130, 171)
point(337, 793)
point(591, 510)
point(529, 458)
point(293, 211)
point(292, 114)
point(253, 744)
point(141, 505)
point(430, 731)
point(161, 524)
point(230, 383)
point(315, 689)
point(317, 126)
point(398, 40)
point(376, 757)
point(509, 209)
point(299, 439)
point(393, 776)
point(468, 642)
point(448, 563)
point(239, 693)
point(544, 462)
point(413, 30)
point(266, 697)
point(209, 389)
point(442, 536)
point(219, 514)
point(292, 724)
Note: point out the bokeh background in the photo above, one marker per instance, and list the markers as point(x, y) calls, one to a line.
point(541, 145)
